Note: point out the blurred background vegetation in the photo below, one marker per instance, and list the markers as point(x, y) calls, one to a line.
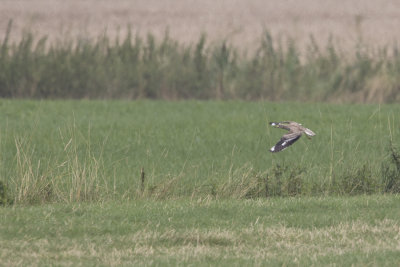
point(133, 67)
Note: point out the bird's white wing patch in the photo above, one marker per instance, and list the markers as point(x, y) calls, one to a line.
point(285, 142)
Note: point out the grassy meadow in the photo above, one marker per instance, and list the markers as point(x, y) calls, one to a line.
point(73, 151)
point(345, 231)
point(212, 194)
point(148, 145)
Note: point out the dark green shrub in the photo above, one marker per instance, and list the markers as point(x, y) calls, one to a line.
point(284, 181)
point(391, 172)
point(4, 198)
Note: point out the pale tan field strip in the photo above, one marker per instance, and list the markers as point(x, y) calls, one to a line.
point(240, 22)
point(273, 241)
point(257, 242)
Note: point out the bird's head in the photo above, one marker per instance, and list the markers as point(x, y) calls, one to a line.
point(276, 124)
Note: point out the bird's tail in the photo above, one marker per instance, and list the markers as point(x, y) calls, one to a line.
point(309, 132)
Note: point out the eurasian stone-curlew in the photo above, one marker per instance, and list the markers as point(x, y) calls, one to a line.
point(295, 131)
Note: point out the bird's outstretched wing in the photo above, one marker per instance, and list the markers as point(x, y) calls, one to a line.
point(286, 140)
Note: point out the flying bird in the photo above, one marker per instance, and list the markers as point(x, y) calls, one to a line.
point(295, 131)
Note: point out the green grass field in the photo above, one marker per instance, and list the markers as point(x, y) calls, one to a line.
point(345, 231)
point(213, 194)
point(68, 151)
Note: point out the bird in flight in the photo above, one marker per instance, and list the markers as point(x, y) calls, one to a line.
point(295, 131)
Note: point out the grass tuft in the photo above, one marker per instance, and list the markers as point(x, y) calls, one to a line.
point(4, 197)
point(391, 172)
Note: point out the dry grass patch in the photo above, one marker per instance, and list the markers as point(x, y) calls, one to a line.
point(238, 21)
point(257, 243)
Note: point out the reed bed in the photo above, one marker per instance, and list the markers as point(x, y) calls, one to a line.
point(133, 67)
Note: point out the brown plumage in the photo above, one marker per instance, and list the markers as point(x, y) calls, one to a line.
point(295, 131)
